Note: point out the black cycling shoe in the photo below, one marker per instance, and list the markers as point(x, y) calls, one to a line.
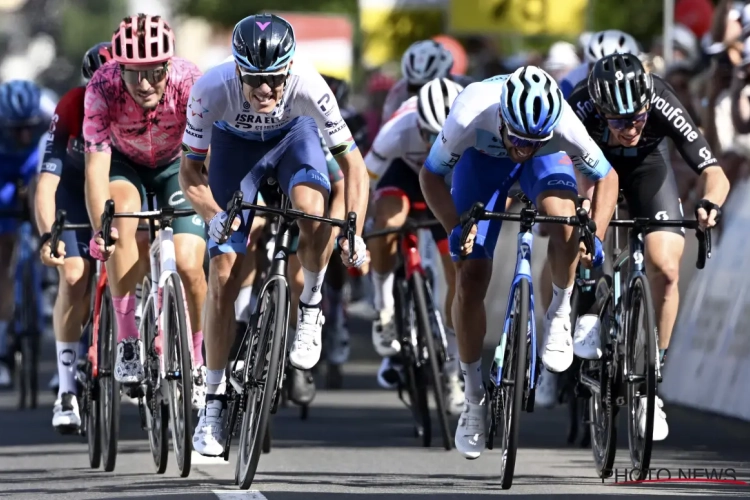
point(301, 386)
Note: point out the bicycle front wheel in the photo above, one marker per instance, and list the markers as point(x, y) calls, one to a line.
point(109, 388)
point(90, 419)
point(262, 372)
point(640, 367)
point(514, 380)
point(179, 372)
point(427, 336)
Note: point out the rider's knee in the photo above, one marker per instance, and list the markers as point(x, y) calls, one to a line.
point(74, 276)
point(225, 278)
point(472, 280)
point(665, 266)
point(391, 209)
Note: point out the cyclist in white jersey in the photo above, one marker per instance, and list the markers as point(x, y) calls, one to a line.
point(422, 62)
point(600, 45)
point(397, 155)
point(260, 116)
point(512, 128)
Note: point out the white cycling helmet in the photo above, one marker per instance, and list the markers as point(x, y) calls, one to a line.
point(424, 61)
point(434, 100)
point(608, 42)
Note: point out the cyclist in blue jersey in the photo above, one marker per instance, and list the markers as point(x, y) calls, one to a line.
point(600, 45)
point(23, 122)
point(512, 128)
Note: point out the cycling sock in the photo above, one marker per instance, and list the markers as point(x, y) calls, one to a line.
point(383, 290)
point(451, 367)
point(3, 338)
point(125, 317)
point(472, 373)
point(216, 382)
point(198, 348)
point(312, 290)
point(66, 366)
point(243, 303)
point(560, 304)
point(138, 303)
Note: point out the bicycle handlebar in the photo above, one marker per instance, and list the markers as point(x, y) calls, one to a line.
point(409, 226)
point(57, 229)
point(580, 219)
point(236, 204)
point(704, 237)
point(162, 214)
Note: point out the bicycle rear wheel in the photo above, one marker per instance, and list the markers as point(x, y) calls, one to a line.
point(109, 388)
point(157, 410)
point(514, 380)
point(179, 372)
point(640, 363)
point(434, 369)
point(262, 372)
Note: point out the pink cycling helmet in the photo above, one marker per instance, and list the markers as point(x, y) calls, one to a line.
point(143, 39)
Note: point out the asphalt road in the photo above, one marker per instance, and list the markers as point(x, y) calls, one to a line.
point(358, 443)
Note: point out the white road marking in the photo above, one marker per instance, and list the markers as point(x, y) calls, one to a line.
point(239, 495)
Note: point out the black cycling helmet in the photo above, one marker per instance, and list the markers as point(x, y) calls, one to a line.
point(620, 85)
point(339, 88)
point(95, 58)
point(263, 43)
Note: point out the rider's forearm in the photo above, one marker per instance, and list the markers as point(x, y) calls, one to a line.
point(194, 184)
point(438, 198)
point(44, 201)
point(605, 199)
point(97, 186)
point(357, 185)
point(717, 185)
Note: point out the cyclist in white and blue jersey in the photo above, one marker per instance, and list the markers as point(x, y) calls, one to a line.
point(600, 45)
point(512, 128)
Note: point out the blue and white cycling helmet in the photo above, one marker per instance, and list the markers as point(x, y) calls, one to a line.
point(20, 103)
point(263, 43)
point(531, 104)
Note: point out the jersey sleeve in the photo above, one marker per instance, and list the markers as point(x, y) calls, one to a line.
point(317, 101)
point(385, 149)
point(96, 118)
point(454, 139)
point(65, 123)
point(572, 137)
point(676, 123)
point(202, 109)
point(392, 101)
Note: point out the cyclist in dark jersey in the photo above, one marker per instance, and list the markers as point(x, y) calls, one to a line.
point(629, 112)
point(60, 186)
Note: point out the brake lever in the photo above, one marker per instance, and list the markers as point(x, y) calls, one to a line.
point(107, 217)
point(56, 233)
point(468, 221)
point(351, 231)
point(588, 230)
point(233, 208)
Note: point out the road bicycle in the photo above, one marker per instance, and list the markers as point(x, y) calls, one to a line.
point(100, 397)
point(165, 395)
point(424, 345)
point(514, 370)
point(254, 390)
point(629, 370)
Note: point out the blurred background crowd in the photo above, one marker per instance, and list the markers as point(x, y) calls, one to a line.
point(362, 41)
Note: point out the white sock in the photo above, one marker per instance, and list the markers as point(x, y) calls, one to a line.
point(473, 380)
point(560, 304)
point(243, 303)
point(312, 291)
point(138, 303)
point(451, 367)
point(67, 354)
point(383, 290)
point(216, 382)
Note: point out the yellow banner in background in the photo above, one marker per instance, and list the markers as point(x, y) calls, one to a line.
point(524, 17)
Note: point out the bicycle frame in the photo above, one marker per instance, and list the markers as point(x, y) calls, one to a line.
point(101, 284)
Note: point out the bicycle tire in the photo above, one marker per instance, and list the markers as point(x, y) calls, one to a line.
point(267, 439)
point(426, 334)
point(273, 331)
point(177, 351)
point(27, 341)
point(90, 414)
point(157, 412)
point(604, 444)
point(639, 300)
point(517, 348)
point(109, 388)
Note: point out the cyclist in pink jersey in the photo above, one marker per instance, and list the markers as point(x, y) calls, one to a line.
point(135, 113)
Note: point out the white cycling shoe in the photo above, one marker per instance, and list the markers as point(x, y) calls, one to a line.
point(545, 394)
point(384, 335)
point(558, 346)
point(209, 436)
point(661, 428)
point(586, 338)
point(470, 433)
point(66, 418)
point(307, 345)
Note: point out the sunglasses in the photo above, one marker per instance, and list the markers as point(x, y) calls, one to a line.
point(521, 141)
point(152, 76)
point(255, 80)
point(627, 122)
point(428, 136)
